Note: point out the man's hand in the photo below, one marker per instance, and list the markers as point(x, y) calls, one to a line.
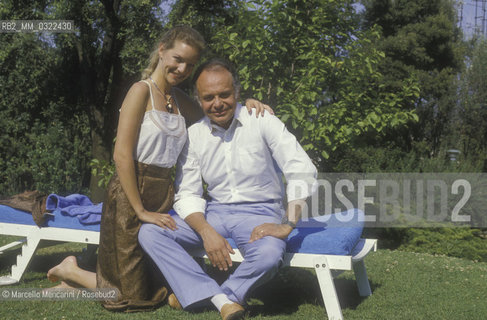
point(280, 231)
point(163, 220)
point(217, 248)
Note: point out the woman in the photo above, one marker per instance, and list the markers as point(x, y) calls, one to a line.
point(152, 131)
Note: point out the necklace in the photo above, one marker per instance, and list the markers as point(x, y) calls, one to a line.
point(168, 97)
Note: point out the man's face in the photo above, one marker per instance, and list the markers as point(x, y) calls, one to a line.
point(217, 96)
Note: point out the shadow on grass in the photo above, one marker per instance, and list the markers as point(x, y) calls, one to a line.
point(293, 287)
point(8, 259)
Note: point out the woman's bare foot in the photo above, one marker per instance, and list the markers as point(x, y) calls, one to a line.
point(63, 285)
point(61, 271)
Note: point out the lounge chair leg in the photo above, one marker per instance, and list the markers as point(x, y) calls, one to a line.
point(361, 278)
point(328, 291)
point(11, 245)
point(24, 258)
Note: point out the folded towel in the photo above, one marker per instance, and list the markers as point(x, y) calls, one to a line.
point(76, 205)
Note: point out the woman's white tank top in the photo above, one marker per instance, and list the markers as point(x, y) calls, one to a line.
point(162, 136)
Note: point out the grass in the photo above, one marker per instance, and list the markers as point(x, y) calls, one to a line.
point(405, 285)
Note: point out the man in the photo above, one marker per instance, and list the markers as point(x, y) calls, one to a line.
point(241, 158)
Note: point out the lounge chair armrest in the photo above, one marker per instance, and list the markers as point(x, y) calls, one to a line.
point(363, 247)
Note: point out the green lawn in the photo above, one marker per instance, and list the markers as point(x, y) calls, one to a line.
point(405, 286)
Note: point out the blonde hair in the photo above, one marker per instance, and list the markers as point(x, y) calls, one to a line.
point(183, 33)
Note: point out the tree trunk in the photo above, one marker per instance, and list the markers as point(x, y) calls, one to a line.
point(103, 115)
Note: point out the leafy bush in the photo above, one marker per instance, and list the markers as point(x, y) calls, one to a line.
point(59, 158)
point(52, 157)
point(374, 159)
point(455, 242)
point(460, 242)
point(102, 169)
point(45, 140)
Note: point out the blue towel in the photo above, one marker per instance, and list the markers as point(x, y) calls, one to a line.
point(76, 205)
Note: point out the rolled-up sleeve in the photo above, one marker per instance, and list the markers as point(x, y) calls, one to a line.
point(188, 184)
point(294, 162)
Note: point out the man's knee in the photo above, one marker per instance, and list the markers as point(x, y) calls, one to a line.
point(269, 253)
point(148, 232)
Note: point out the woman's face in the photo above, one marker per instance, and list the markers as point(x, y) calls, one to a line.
point(178, 62)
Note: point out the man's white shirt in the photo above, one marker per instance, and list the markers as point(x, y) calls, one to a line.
point(241, 164)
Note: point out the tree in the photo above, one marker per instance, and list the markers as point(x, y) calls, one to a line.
point(39, 147)
point(420, 37)
point(106, 56)
point(84, 75)
point(311, 62)
point(471, 115)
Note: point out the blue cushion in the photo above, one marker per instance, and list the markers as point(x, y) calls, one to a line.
point(335, 234)
point(330, 234)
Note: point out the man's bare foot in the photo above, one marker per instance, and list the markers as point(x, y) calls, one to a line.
point(61, 271)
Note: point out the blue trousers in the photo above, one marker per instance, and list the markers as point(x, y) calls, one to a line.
point(187, 279)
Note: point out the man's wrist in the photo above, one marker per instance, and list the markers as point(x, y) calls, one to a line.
point(203, 228)
point(287, 229)
point(197, 222)
point(286, 221)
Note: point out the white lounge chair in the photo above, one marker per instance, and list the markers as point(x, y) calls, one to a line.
point(19, 223)
point(327, 266)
